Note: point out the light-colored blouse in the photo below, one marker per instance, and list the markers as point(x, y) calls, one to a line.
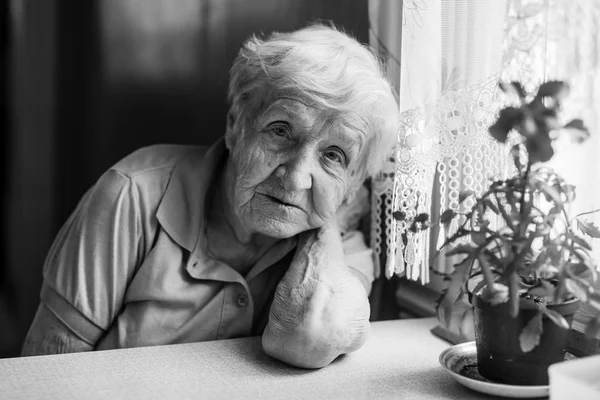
point(129, 267)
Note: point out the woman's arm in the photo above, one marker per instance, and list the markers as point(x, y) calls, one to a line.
point(87, 269)
point(320, 309)
point(49, 335)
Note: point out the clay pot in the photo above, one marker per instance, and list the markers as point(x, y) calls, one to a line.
point(499, 355)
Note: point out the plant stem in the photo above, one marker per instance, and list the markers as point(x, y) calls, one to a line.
point(487, 274)
point(522, 202)
point(587, 212)
point(504, 213)
point(522, 226)
point(513, 300)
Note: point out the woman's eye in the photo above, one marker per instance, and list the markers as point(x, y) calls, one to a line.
point(280, 130)
point(335, 155)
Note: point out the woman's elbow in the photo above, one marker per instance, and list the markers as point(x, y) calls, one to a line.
point(313, 348)
point(49, 335)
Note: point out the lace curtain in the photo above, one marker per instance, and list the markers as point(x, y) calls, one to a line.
point(446, 58)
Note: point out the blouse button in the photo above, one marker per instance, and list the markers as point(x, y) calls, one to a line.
point(242, 300)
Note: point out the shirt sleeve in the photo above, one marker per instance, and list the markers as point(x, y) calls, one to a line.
point(358, 255)
point(94, 257)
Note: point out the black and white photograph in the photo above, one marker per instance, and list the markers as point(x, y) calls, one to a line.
point(300, 199)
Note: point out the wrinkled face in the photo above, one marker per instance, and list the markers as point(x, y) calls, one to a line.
point(292, 168)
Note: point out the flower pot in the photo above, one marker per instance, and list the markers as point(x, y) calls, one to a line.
point(499, 355)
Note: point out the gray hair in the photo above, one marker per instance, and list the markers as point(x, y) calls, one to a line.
point(328, 69)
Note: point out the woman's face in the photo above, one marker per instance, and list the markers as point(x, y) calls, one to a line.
point(292, 168)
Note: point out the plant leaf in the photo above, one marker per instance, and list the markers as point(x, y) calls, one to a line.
point(554, 254)
point(576, 124)
point(578, 136)
point(448, 216)
point(490, 204)
point(496, 295)
point(479, 286)
point(577, 130)
point(467, 325)
point(531, 333)
point(580, 241)
point(555, 89)
point(454, 291)
point(421, 217)
point(505, 215)
point(573, 287)
point(460, 249)
point(551, 193)
point(499, 132)
point(462, 196)
point(538, 144)
point(554, 210)
point(514, 88)
point(513, 291)
point(544, 290)
point(541, 260)
point(588, 228)
point(516, 155)
point(507, 119)
point(569, 191)
point(399, 215)
point(556, 318)
point(479, 238)
point(461, 232)
point(581, 271)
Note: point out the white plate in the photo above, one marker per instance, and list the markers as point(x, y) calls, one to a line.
point(460, 362)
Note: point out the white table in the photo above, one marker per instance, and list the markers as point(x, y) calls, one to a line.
point(399, 361)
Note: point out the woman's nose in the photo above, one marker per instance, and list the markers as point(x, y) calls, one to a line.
point(296, 173)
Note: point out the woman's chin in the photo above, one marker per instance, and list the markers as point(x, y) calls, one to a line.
point(277, 229)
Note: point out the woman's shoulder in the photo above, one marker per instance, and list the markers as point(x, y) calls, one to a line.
point(155, 158)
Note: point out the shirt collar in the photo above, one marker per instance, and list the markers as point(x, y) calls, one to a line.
point(181, 210)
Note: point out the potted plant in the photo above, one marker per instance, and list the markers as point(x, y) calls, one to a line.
point(525, 274)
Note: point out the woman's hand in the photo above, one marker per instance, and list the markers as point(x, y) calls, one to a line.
point(320, 309)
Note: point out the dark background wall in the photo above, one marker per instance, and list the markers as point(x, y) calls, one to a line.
point(90, 81)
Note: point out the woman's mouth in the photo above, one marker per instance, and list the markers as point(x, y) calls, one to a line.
point(278, 201)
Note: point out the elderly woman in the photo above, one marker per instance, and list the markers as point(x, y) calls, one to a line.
point(252, 236)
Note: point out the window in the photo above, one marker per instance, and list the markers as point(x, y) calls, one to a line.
point(446, 59)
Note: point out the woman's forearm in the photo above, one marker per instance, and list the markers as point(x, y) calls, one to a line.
point(320, 309)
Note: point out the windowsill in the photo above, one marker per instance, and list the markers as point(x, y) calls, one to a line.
point(415, 299)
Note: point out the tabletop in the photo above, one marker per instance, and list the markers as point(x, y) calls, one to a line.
point(400, 360)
